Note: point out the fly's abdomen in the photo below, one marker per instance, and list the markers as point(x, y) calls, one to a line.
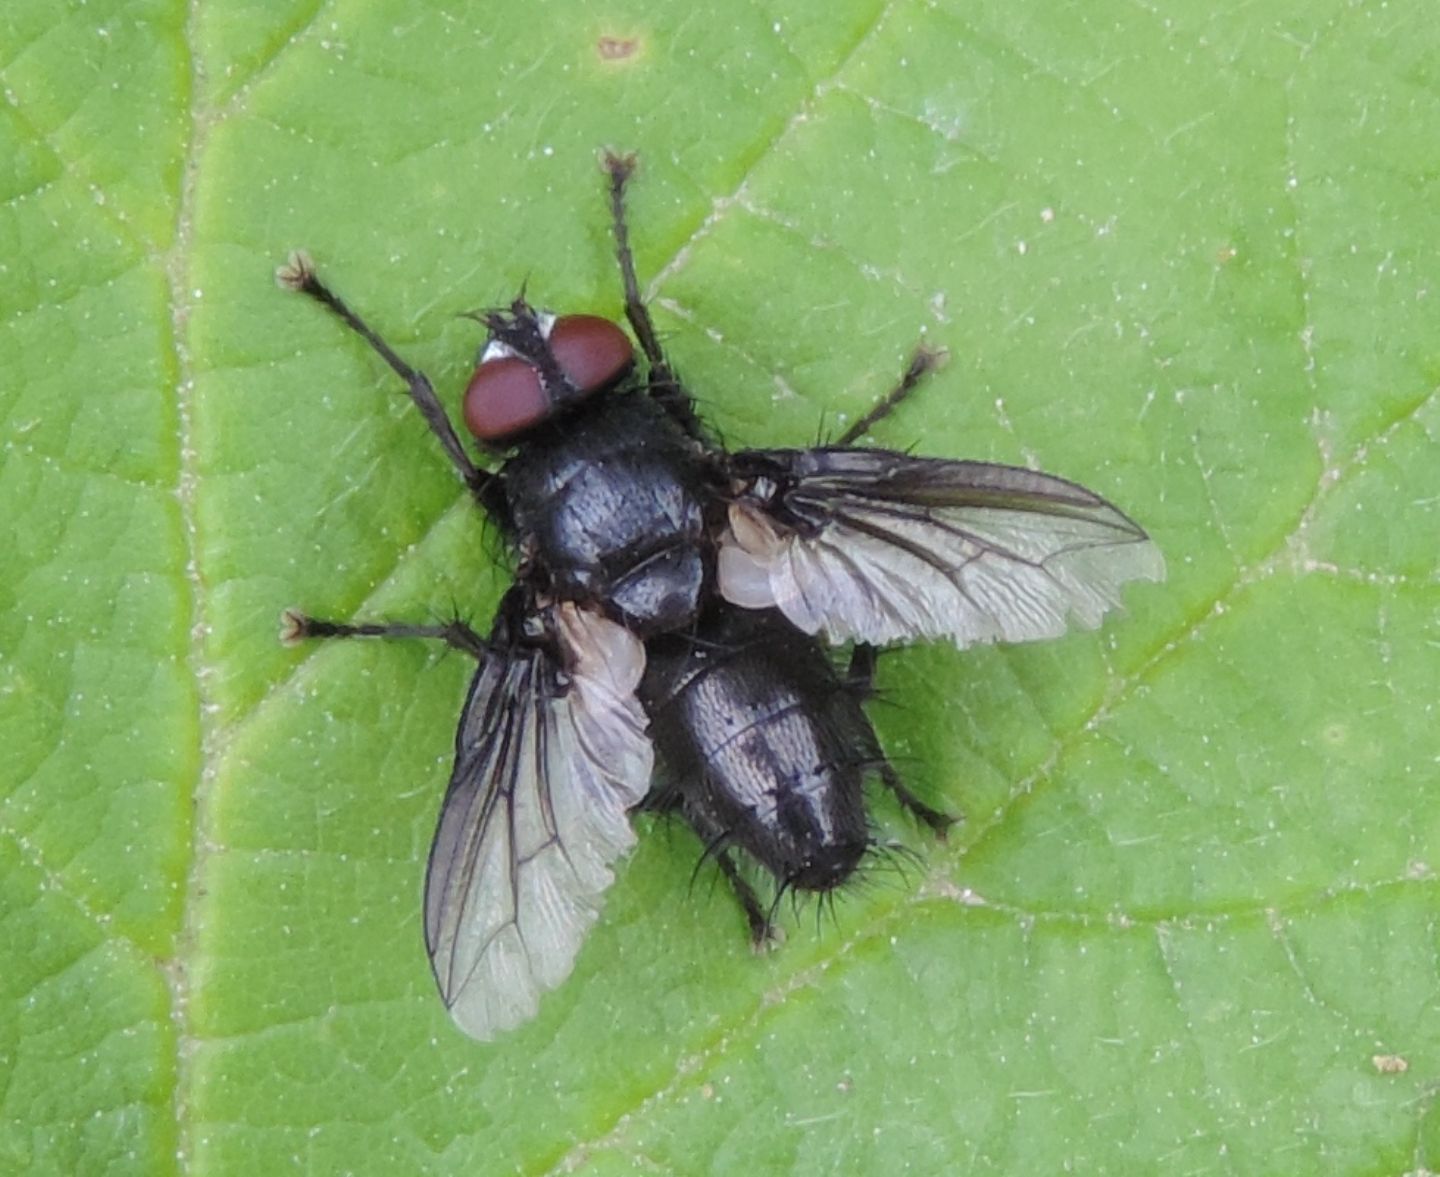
point(766, 749)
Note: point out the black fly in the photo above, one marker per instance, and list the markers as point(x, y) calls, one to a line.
point(667, 603)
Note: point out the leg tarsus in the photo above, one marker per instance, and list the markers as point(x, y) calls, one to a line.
point(716, 837)
point(937, 821)
point(922, 363)
point(298, 274)
point(297, 627)
point(620, 167)
point(861, 677)
point(762, 931)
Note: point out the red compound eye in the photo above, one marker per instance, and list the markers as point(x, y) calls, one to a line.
point(505, 395)
point(591, 351)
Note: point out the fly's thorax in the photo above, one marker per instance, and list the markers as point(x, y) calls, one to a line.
point(612, 505)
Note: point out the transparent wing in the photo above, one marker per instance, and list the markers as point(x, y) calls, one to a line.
point(877, 546)
point(549, 759)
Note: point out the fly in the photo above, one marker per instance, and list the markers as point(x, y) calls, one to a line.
point(661, 645)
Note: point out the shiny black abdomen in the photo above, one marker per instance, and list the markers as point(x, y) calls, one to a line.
point(609, 505)
point(762, 744)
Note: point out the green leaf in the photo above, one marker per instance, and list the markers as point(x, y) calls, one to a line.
point(1185, 256)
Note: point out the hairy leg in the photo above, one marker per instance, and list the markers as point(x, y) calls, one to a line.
point(298, 274)
point(922, 363)
point(455, 634)
point(861, 676)
point(664, 387)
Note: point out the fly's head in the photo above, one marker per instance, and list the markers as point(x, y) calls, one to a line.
point(535, 365)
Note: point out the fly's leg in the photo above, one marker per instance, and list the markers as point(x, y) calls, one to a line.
point(861, 676)
point(937, 821)
point(864, 658)
point(299, 274)
point(762, 931)
point(457, 635)
point(663, 386)
point(922, 363)
point(714, 835)
point(620, 168)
